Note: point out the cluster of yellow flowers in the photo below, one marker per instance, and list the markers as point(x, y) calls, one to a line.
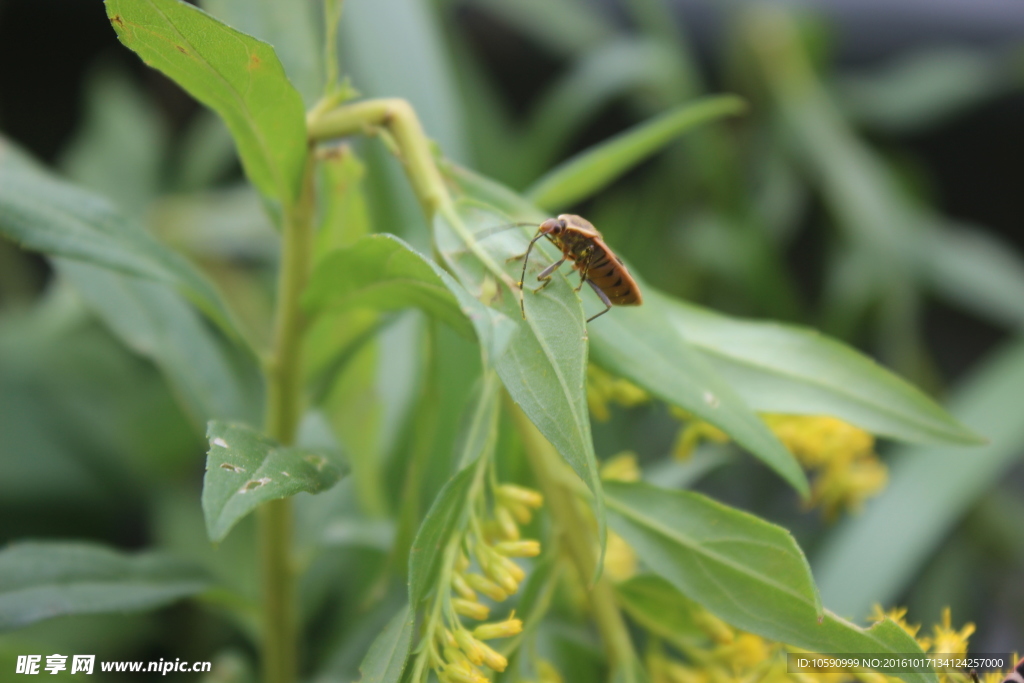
point(841, 457)
point(456, 652)
point(734, 655)
point(604, 388)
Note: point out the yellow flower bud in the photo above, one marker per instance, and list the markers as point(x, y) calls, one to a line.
point(487, 587)
point(462, 588)
point(499, 629)
point(511, 567)
point(522, 513)
point(470, 645)
point(462, 674)
point(461, 562)
point(446, 638)
point(520, 494)
point(526, 548)
point(493, 567)
point(473, 610)
point(493, 659)
point(622, 467)
point(547, 672)
point(506, 523)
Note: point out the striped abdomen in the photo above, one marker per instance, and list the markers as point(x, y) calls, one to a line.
point(608, 273)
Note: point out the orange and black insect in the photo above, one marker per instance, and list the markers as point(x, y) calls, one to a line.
point(580, 242)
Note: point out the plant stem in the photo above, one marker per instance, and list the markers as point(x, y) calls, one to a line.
point(413, 150)
point(577, 534)
point(281, 419)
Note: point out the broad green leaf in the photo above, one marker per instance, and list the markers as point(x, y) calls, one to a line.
point(45, 214)
point(384, 273)
point(590, 171)
point(742, 569)
point(40, 580)
point(780, 368)
point(544, 366)
point(447, 512)
point(209, 377)
point(386, 660)
point(291, 27)
point(236, 75)
point(659, 607)
point(875, 556)
point(245, 469)
point(642, 345)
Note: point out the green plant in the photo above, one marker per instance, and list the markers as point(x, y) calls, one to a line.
point(437, 504)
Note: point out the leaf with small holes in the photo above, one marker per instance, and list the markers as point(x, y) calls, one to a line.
point(245, 469)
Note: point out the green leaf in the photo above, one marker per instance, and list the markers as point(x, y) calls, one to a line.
point(40, 580)
point(291, 27)
point(45, 214)
point(544, 366)
point(642, 345)
point(344, 213)
point(236, 75)
point(384, 273)
point(742, 569)
point(245, 469)
point(447, 511)
point(386, 659)
point(209, 377)
point(979, 271)
point(875, 556)
point(655, 604)
point(786, 369)
point(590, 171)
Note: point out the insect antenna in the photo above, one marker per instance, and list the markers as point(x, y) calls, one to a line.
point(522, 277)
point(494, 230)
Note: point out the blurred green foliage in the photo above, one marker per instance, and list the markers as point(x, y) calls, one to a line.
point(109, 373)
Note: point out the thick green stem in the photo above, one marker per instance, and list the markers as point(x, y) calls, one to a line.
point(413, 149)
point(281, 419)
point(577, 533)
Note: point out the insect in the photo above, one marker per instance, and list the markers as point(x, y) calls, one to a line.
point(1015, 676)
point(580, 242)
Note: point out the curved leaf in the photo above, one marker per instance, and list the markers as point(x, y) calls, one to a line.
point(587, 172)
point(544, 366)
point(245, 469)
point(742, 569)
point(448, 509)
point(40, 580)
point(236, 75)
point(642, 345)
point(787, 369)
point(45, 214)
point(386, 659)
point(874, 556)
point(384, 273)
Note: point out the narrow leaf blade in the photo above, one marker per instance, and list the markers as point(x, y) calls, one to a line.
point(386, 659)
point(40, 580)
point(43, 213)
point(245, 469)
point(586, 173)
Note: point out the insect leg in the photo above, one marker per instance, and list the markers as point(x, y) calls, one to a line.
point(604, 298)
point(545, 275)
